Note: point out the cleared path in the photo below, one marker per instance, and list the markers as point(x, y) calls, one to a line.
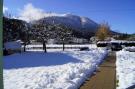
point(105, 77)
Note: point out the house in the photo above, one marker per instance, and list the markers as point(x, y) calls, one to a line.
point(12, 47)
point(79, 40)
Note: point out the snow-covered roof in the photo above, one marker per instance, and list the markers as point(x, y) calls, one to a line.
point(116, 41)
point(19, 41)
point(103, 42)
point(129, 49)
point(122, 41)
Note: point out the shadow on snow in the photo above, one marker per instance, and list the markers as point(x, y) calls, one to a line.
point(36, 59)
point(131, 87)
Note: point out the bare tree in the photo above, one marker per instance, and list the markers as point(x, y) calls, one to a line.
point(44, 31)
point(65, 34)
point(103, 31)
point(41, 33)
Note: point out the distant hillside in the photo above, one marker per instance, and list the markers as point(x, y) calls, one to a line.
point(14, 29)
point(79, 27)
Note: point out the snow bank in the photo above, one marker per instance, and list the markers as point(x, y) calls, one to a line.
point(125, 69)
point(53, 70)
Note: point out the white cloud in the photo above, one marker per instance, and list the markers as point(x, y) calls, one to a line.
point(30, 13)
point(5, 9)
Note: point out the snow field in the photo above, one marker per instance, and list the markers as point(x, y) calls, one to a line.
point(39, 47)
point(60, 45)
point(125, 69)
point(69, 75)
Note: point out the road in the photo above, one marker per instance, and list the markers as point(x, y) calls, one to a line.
point(105, 77)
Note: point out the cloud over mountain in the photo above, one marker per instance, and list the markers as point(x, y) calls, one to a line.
point(29, 13)
point(32, 14)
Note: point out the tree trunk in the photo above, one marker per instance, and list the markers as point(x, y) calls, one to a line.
point(24, 47)
point(63, 46)
point(45, 48)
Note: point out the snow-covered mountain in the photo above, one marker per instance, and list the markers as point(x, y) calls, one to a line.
point(88, 23)
point(74, 21)
point(32, 14)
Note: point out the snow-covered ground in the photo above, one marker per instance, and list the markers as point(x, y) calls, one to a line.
point(125, 67)
point(60, 45)
point(52, 70)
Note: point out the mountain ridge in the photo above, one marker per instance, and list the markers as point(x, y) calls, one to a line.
point(73, 21)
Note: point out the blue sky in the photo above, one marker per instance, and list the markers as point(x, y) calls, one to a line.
point(120, 14)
